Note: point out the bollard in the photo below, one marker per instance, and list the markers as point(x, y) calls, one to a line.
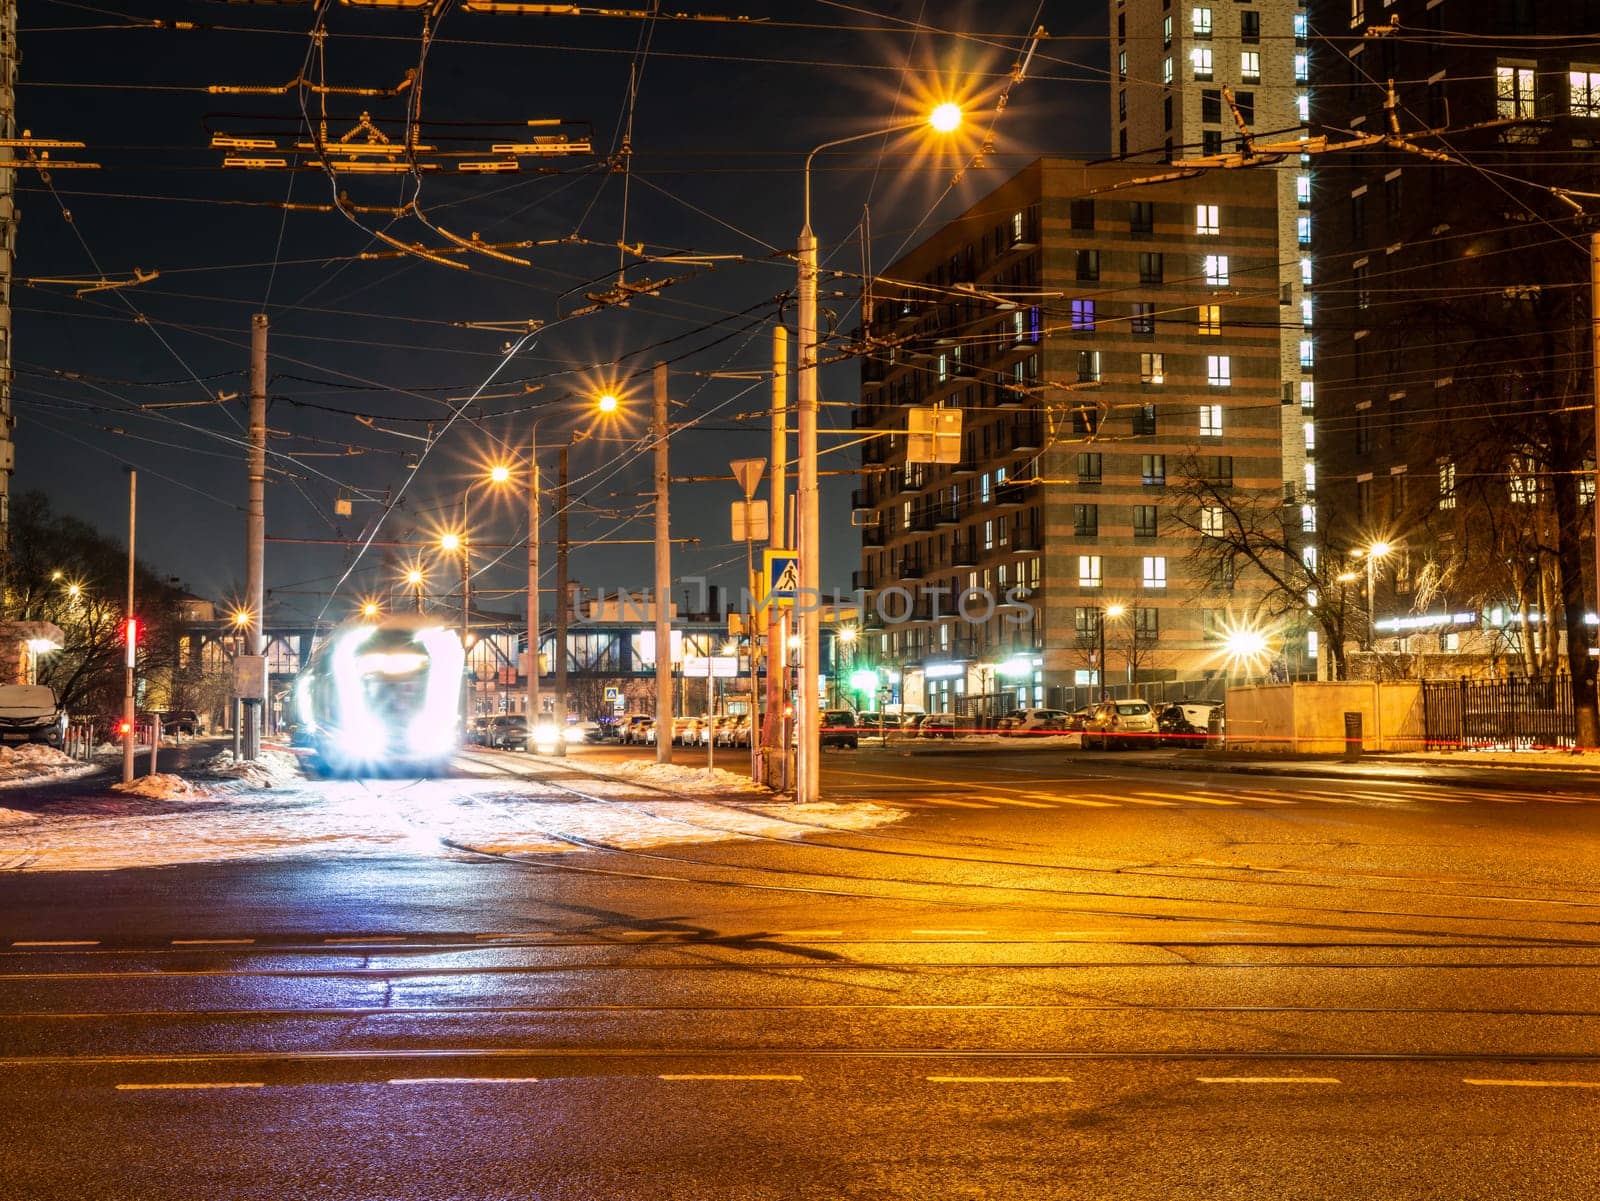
point(1352, 736)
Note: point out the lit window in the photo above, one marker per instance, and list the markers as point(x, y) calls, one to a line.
point(1311, 436)
point(1308, 519)
point(1122, 64)
point(1150, 368)
point(1210, 319)
point(1302, 107)
point(1201, 22)
point(1447, 484)
point(1166, 31)
point(1302, 189)
point(1205, 219)
point(1305, 311)
point(1308, 555)
point(1153, 470)
point(1155, 571)
point(1166, 69)
point(1219, 370)
point(1513, 86)
point(1583, 92)
point(1216, 269)
point(1088, 571)
point(1211, 421)
point(1300, 26)
point(1305, 352)
point(1302, 61)
point(1083, 315)
point(988, 534)
point(944, 368)
point(1200, 59)
point(1302, 228)
point(1308, 396)
point(1311, 477)
point(1305, 272)
point(1088, 366)
point(1250, 66)
point(1211, 521)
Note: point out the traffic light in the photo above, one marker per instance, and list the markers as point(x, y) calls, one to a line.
point(124, 728)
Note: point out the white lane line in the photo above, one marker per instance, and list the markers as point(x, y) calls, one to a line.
point(998, 1079)
point(212, 942)
point(191, 1084)
point(953, 801)
point(1508, 1083)
point(1022, 804)
point(57, 942)
point(1267, 1079)
point(464, 1080)
point(730, 1076)
point(1086, 802)
point(1180, 798)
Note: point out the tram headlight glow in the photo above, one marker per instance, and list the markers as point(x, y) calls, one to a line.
point(433, 730)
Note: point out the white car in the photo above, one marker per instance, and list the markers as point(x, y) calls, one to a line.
point(1033, 721)
point(30, 713)
point(1115, 725)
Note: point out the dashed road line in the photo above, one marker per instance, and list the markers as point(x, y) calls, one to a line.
point(998, 1079)
point(212, 942)
point(56, 942)
point(366, 938)
point(1266, 1080)
point(1514, 1083)
point(188, 1084)
point(463, 1080)
point(729, 1076)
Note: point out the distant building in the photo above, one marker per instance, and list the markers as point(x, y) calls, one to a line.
point(1103, 344)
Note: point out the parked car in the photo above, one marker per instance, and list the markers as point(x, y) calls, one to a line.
point(1185, 722)
point(508, 732)
point(911, 724)
point(686, 731)
point(634, 727)
point(1032, 721)
point(478, 730)
point(1078, 719)
point(944, 725)
point(31, 713)
point(180, 721)
point(1119, 724)
point(839, 728)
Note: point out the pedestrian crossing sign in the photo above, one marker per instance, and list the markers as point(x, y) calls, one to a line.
point(782, 577)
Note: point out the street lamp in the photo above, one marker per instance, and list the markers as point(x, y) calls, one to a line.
point(944, 119)
point(1376, 551)
point(1106, 613)
point(415, 580)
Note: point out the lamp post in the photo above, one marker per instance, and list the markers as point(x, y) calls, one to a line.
point(1373, 553)
point(451, 542)
point(1106, 613)
point(415, 579)
point(946, 118)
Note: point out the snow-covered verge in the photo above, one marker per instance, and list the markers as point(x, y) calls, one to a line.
point(677, 777)
point(270, 769)
point(367, 819)
point(162, 787)
point(33, 762)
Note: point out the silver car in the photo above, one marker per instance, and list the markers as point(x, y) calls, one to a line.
point(1118, 724)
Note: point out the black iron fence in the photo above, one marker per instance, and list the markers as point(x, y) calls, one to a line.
point(1513, 714)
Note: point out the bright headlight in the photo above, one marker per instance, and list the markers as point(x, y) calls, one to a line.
point(573, 734)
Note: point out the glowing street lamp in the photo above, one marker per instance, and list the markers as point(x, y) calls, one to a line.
point(1378, 550)
point(1108, 612)
point(944, 119)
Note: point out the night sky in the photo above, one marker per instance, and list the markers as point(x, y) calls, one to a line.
point(371, 362)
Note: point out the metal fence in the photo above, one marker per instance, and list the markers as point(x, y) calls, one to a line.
point(1513, 714)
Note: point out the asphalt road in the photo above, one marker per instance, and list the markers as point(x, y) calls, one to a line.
point(1054, 976)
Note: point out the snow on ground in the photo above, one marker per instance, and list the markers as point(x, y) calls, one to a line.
point(388, 818)
point(270, 769)
point(677, 777)
point(32, 762)
point(161, 787)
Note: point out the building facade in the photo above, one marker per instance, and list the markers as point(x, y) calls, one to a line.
point(1170, 64)
point(1453, 350)
point(1109, 346)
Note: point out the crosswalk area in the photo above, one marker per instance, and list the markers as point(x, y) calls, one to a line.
point(1107, 793)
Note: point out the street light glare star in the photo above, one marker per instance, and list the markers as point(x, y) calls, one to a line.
point(450, 542)
point(1115, 610)
point(1379, 549)
point(946, 118)
point(413, 577)
point(607, 403)
point(500, 473)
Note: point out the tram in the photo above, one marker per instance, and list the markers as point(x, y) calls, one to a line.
point(383, 697)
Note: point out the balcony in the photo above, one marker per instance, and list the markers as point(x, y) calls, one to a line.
point(911, 568)
point(1028, 435)
point(964, 553)
point(1012, 496)
point(862, 498)
point(1025, 540)
point(947, 514)
point(872, 535)
point(922, 519)
point(862, 581)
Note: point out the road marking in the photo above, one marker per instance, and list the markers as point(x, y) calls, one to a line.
point(1534, 1083)
point(191, 1084)
point(212, 942)
point(464, 1080)
point(1267, 1079)
point(952, 801)
point(368, 938)
point(57, 942)
point(1084, 801)
point(1182, 798)
point(729, 1076)
point(1018, 801)
point(998, 1079)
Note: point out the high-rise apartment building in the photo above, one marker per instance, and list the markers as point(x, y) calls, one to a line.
point(1170, 64)
point(1453, 344)
point(1106, 347)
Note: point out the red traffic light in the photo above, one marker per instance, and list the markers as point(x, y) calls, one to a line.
point(124, 727)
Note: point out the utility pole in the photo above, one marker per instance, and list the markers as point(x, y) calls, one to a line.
point(256, 522)
point(775, 752)
point(563, 604)
point(130, 632)
point(1588, 715)
point(663, 589)
point(808, 597)
point(533, 576)
point(8, 246)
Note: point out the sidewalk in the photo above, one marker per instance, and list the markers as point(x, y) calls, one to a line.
point(1452, 767)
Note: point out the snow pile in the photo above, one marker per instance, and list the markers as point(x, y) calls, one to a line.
point(34, 761)
point(675, 777)
point(271, 768)
point(162, 787)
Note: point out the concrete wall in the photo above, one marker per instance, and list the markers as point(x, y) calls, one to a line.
point(1310, 717)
